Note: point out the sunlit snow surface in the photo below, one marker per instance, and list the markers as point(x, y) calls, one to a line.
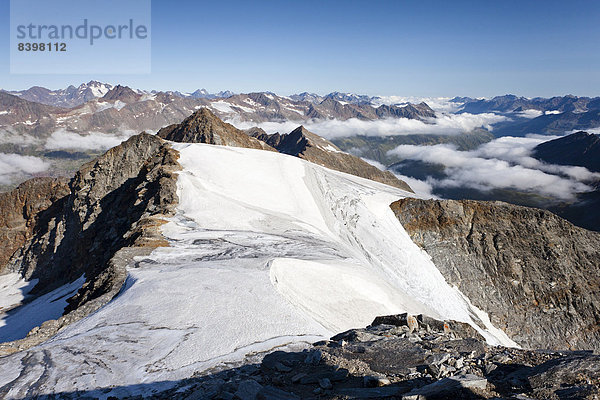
point(267, 250)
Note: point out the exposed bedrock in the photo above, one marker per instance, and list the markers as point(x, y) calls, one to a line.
point(535, 274)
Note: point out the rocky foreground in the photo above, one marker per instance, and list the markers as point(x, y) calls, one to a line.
point(404, 357)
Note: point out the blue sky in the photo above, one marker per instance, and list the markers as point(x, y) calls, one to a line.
point(409, 48)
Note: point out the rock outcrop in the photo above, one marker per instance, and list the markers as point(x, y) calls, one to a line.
point(535, 274)
point(399, 361)
point(205, 127)
point(112, 212)
point(311, 147)
point(21, 209)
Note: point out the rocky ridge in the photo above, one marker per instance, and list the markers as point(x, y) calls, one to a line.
point(535, 274)
point(311, 147)
point(111, 213)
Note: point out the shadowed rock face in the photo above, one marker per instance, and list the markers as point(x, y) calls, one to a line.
point(112, 212)
point(205, 127)
point(311, 147)
point(580, 148)
point(535, 274)
point(20, 212)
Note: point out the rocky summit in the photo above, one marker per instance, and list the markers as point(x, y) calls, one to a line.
point(205, 127)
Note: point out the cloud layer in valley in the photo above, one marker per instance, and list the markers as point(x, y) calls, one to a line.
point(65, 140)
point(502, 163)
point(16, 166)
point(444, 124)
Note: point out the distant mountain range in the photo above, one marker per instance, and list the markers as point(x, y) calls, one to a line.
point(70, 97)
point(74, 96)
point(121, 107)
point(512, 103)
point(524, 115)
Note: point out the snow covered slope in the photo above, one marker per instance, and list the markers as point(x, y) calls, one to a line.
point(267, 250)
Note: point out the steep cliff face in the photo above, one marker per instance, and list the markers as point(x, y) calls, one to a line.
point(535, 274)
point(21, 209)
point(112, 212)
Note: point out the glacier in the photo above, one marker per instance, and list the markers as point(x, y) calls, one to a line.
point(267, 251)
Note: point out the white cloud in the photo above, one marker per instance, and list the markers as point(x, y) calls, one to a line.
point(421, 188)
point(12, 137)
point(14, 166)
point(531, 113)
point(374, 163)
point(595, 130)
point(444, 124)
point(502, 163)
point(62, 139)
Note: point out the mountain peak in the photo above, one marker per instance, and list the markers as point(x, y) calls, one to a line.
point(123, 93)
point(205, 127)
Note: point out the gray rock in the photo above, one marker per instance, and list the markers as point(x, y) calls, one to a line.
point(314, 357)
point(272, 393)
point(356, 335)
point(535, 274)
point(296, 378)
point(450, 386)
point(325, 383)
point(375, 381)
point(333, 376)
point(368, 393)
point(282, 368)
point(248, 390)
